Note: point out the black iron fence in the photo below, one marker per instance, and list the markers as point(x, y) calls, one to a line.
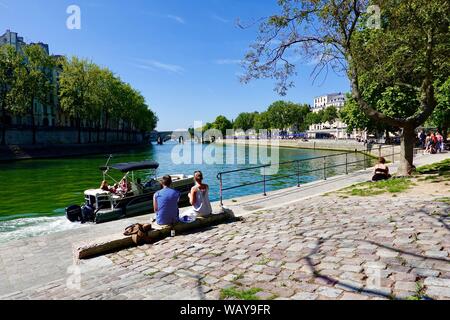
point(297, 171)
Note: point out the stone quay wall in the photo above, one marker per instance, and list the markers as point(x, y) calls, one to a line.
point(61, 136)
point(390, 152)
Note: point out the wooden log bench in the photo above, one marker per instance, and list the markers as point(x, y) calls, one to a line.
point(116, 242)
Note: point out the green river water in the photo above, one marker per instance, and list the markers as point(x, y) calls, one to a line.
point(35, 192)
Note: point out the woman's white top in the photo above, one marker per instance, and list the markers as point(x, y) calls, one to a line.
point(202, 204)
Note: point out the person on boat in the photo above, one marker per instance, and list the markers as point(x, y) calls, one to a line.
point(104, 186)
point(381, 170)
point(124, 186)
point(139, 185)
point(165, 203)
point(199, 199)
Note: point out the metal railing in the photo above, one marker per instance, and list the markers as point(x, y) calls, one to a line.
point(367, 154)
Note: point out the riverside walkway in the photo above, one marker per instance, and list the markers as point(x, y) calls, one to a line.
point(295, 244)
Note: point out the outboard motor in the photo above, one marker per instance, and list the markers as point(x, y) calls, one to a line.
point(73, 213)
point(87, 214)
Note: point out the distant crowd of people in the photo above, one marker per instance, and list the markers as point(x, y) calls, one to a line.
point(431, 142)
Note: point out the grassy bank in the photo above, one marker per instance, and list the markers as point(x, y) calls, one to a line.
point(437, 173)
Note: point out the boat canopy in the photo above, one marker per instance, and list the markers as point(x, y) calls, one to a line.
point(133, 166)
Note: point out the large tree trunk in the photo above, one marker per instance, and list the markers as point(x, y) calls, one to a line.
point(408, 140)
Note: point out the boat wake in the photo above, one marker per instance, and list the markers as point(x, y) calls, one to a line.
point(32, 227)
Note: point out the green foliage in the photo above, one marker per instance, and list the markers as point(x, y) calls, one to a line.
point(314, 118)
point(33, 80)
point(285, 114)
point(245, 121)
point(355, 118)
point(391, 69)
point(87, 92)
point(441, 115)
point(330, 114)
point(11, 64)
point(222, 124)
point(262, 121)
point(235, 293)
point(280, 115)
point(395, 185)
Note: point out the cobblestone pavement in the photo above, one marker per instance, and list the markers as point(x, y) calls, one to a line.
point(324, 248)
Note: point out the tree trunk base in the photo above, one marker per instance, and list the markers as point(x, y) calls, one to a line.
point(408, 140)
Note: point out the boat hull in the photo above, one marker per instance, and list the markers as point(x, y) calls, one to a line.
point(136, 206)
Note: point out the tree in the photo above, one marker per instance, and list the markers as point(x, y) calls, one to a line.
point(245, 121)
point(411, 50)
point(105, 98)
point(441, 115)
point(313, 118)
point(330, 114)
point(279, 115)
point(356, 119)
point(10, 62)
point(33, 83)
point(298, 114)
point(222, 124)
point(262, 121)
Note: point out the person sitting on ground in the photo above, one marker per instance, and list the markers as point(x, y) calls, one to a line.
point(165, 203)
point(381, 170)
point(199, 199)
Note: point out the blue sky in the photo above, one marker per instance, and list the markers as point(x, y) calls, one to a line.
point(182, 55)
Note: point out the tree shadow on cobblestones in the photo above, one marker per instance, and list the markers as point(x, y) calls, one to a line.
point(199, 287)
point(345, 285)
point(404, 251)
point(332, 281)
point(442, 218)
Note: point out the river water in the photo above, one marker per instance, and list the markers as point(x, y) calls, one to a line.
point(35, 192)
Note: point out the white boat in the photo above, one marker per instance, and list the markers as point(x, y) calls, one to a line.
point(136, 199)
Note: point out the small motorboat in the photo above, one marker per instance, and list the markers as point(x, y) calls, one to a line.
point(130, 198)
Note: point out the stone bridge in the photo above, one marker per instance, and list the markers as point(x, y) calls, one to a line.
point(169, 135)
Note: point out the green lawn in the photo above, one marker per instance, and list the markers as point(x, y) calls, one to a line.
point(434, 173)
point(442, 168)
point(366, 189)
